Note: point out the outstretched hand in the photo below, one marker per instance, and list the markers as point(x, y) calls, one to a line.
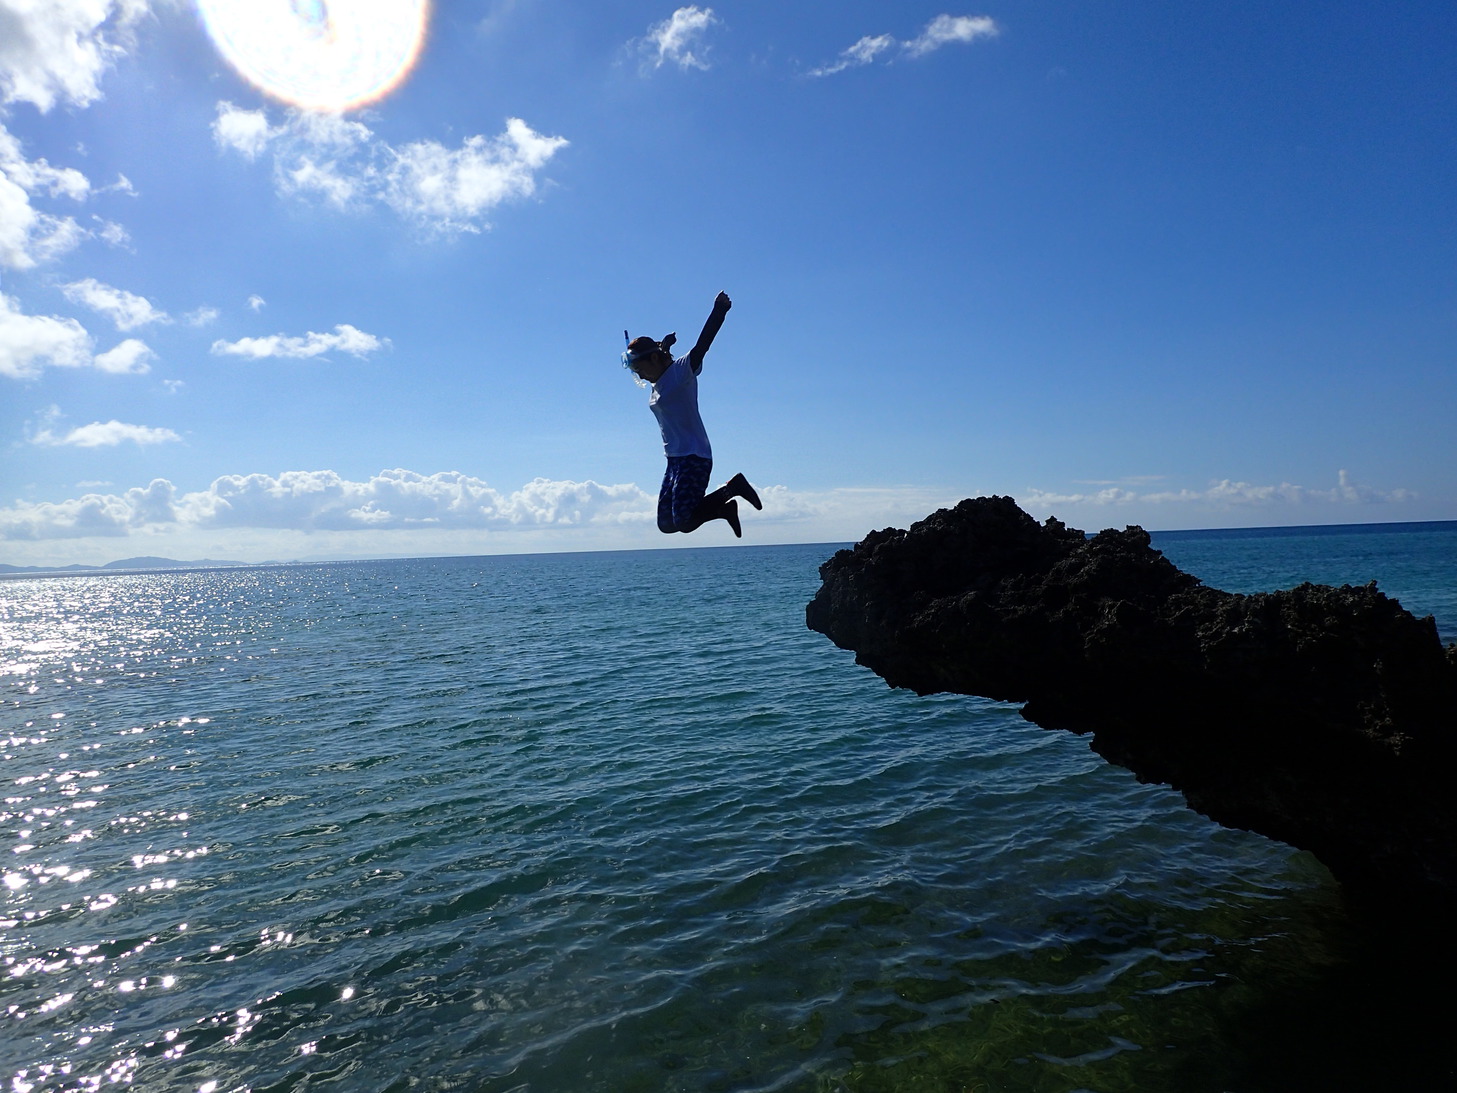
point(721, 304)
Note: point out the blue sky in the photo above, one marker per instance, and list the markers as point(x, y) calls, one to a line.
point(1166, 264)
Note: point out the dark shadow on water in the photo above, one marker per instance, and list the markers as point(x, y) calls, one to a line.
point(1374, 1010)
point(1241, 996)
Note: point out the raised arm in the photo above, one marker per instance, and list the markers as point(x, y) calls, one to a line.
point(721, 305)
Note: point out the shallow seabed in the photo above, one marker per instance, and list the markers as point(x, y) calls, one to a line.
point(619, 822)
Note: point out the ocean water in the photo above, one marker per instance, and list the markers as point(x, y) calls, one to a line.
point(620, 822)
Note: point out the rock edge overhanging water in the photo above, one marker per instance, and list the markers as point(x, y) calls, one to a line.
point(1323, 717)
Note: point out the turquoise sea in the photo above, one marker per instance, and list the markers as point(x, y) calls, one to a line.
point(620, 822)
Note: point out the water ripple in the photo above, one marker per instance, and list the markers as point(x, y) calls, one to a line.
point(533, 824)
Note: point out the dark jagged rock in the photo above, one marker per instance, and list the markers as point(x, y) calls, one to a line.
point(1322, 717)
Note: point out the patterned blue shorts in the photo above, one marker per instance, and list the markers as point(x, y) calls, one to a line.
point(684, 484)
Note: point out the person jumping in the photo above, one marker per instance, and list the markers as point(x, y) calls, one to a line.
point(682, 504)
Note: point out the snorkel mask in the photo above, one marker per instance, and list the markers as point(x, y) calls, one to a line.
point(634, 356)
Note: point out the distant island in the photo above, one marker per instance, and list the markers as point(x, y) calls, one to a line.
point(123, 564)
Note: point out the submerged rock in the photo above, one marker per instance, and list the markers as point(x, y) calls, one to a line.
point(1323, 717)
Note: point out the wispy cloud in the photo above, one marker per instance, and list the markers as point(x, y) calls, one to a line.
point(941, 31)
point(678, 40)
point(861, 53)
point(122, 185)
point(341, 163)
point(109, 231)
point(256, 302)
point(946, 30)
point(99, 434)
point(346, 339)
point(127, 310)
point(1224, 494)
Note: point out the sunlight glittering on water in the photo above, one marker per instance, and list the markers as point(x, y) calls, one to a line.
point(325, 55)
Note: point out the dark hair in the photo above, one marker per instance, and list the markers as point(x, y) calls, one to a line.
point(641, 344)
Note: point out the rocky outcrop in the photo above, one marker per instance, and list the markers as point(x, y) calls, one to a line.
point(1323, 717)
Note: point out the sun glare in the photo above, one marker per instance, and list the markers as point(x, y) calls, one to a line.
point(328, 55)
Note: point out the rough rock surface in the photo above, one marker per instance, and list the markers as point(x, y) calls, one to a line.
point(1323, 717)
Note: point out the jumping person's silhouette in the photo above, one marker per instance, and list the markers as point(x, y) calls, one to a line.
point(682, 504)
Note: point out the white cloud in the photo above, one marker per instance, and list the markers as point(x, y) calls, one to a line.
point(321, 514)
point(342, 163)
point(110, 433)
point(321, 179)
point(99, 434)
point(111, 232)
point(1224, 494)
point(131, 357)
point(244, 131)
point(452, 189)
point(92, 514)
point(345, 338)
point(53, 51)
point(947, 29)
point(39, 175)
point(201, 316)
point(941, 31)
point(122, 185)
point(331, 131)
point(27, 234)
point(676, 38)
point(126, 309)
point(28, 343)
point(861, 53)
point(256, 302)
point(323, 501)
point(56, 50)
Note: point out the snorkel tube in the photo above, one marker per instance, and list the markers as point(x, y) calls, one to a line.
point(629, 358)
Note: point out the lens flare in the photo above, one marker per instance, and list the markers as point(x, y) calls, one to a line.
point(327, 55)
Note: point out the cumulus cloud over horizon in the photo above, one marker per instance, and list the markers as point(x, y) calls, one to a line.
point(325, 501)
point(399, 500)
point(450, 503)
point(678, 39)
point(1225, 493)
point(343, 164)
point(941, 31)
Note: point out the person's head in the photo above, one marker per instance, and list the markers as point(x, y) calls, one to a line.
point(647, 359)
